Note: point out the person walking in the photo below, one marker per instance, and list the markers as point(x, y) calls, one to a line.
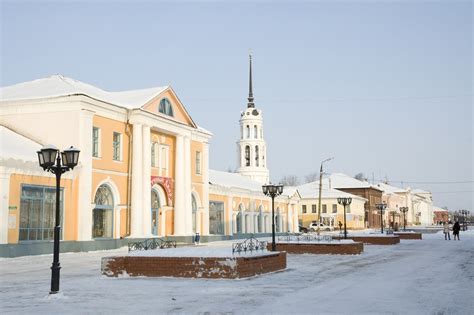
point(456, 229)
point(446, 231)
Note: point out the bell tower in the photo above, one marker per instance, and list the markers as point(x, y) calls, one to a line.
point(251, 147)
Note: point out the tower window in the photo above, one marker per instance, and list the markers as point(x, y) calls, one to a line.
point(256, 156)
point(255, 133)
point(247, 155)
point(248, 131)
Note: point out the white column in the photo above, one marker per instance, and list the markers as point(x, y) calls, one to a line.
point(188, 217)
point(205, 189)
point(137, 189)
point(179, 190)
point(229, 215)
point(4, 198)
point(83, 174)
point(146, 178)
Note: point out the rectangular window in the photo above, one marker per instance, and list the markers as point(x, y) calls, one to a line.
point(334, 208)
point(154, 154)
point(95, 141)
point(216, 217)
point(198, 163)
point(313, 208)
point(38, 212)
point(303, 208)
point(117, 144)
point(324, 209)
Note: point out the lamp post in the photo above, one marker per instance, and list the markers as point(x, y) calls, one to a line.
point(65, 161)
point(404, 210)
point(345, 202)
point(381, 207)
point(320, 190)
point(273, 191)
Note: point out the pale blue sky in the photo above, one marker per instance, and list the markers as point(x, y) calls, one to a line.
point(385, 87)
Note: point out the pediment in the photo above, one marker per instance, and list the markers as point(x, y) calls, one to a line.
point(179, 112)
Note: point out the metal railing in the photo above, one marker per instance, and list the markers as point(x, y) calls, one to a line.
point(249, 245)
point(305, 238)
point(152, 243)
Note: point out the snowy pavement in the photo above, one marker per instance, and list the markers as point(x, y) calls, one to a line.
point(431, 276)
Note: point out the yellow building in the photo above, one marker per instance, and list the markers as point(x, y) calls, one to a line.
point(143, 170)
point(331, 212)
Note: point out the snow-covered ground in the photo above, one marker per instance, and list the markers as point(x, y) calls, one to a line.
point(431, 276)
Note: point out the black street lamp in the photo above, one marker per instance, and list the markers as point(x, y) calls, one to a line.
point(404, 210)
point(381, 207)
point(65, 161)
point(273, 191)
point(345, 202)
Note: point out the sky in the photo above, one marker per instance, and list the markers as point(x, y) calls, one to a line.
point(385, 87)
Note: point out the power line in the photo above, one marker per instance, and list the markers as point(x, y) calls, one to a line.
point(429, 183)
point(453, 192)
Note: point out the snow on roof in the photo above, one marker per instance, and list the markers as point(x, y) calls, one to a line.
point(439, 209)
point(58, 85)
point(420, 191)
point(339, 180)
point(16, 146)
point(233, 180)
point(311, 191)
point(390, 189)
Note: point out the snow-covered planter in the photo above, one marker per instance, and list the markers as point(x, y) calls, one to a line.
point(193, 263)
point(408, 235)
point(374, 239)
point(343, 247)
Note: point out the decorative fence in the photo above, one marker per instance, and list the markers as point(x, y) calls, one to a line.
point(152, 243)
point(249, 245)
point(305, 238)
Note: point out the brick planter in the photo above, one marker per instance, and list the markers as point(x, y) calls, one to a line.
point(193, 267)
point(408, 235)
point(336, 248)
point(373, 239)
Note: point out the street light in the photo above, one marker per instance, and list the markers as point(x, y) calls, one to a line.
point(65, 161)
point(345, 202)
point(381, 207)
point(404, 210)
point(273, 191)
point(320, 190)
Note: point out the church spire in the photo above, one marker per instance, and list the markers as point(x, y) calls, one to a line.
point(250, 104)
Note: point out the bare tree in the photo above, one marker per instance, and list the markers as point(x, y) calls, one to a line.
point(360, 176)
point(290, 180)
point(311, 177)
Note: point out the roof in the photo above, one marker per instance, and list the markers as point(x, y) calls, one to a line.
point(339, 180)
point(390, 189)
point(235, 180)
point(311, 191)
point(17, 147)
point(58, 85)
point(420, 191)
point(439, 209)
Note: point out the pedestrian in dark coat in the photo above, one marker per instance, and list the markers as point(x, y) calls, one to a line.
point(456, 229)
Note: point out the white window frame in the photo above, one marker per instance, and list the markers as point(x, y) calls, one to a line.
point(99, 155)
point(120, 153)
point(198, 163)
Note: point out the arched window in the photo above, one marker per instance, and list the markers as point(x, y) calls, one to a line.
point(260, 220)
point(256, 155)
point(165, 107)
point(255, 133)
point(195, 208)
point(103, 213)
point(247, 155)
point(155, 211)
point(248, 131)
